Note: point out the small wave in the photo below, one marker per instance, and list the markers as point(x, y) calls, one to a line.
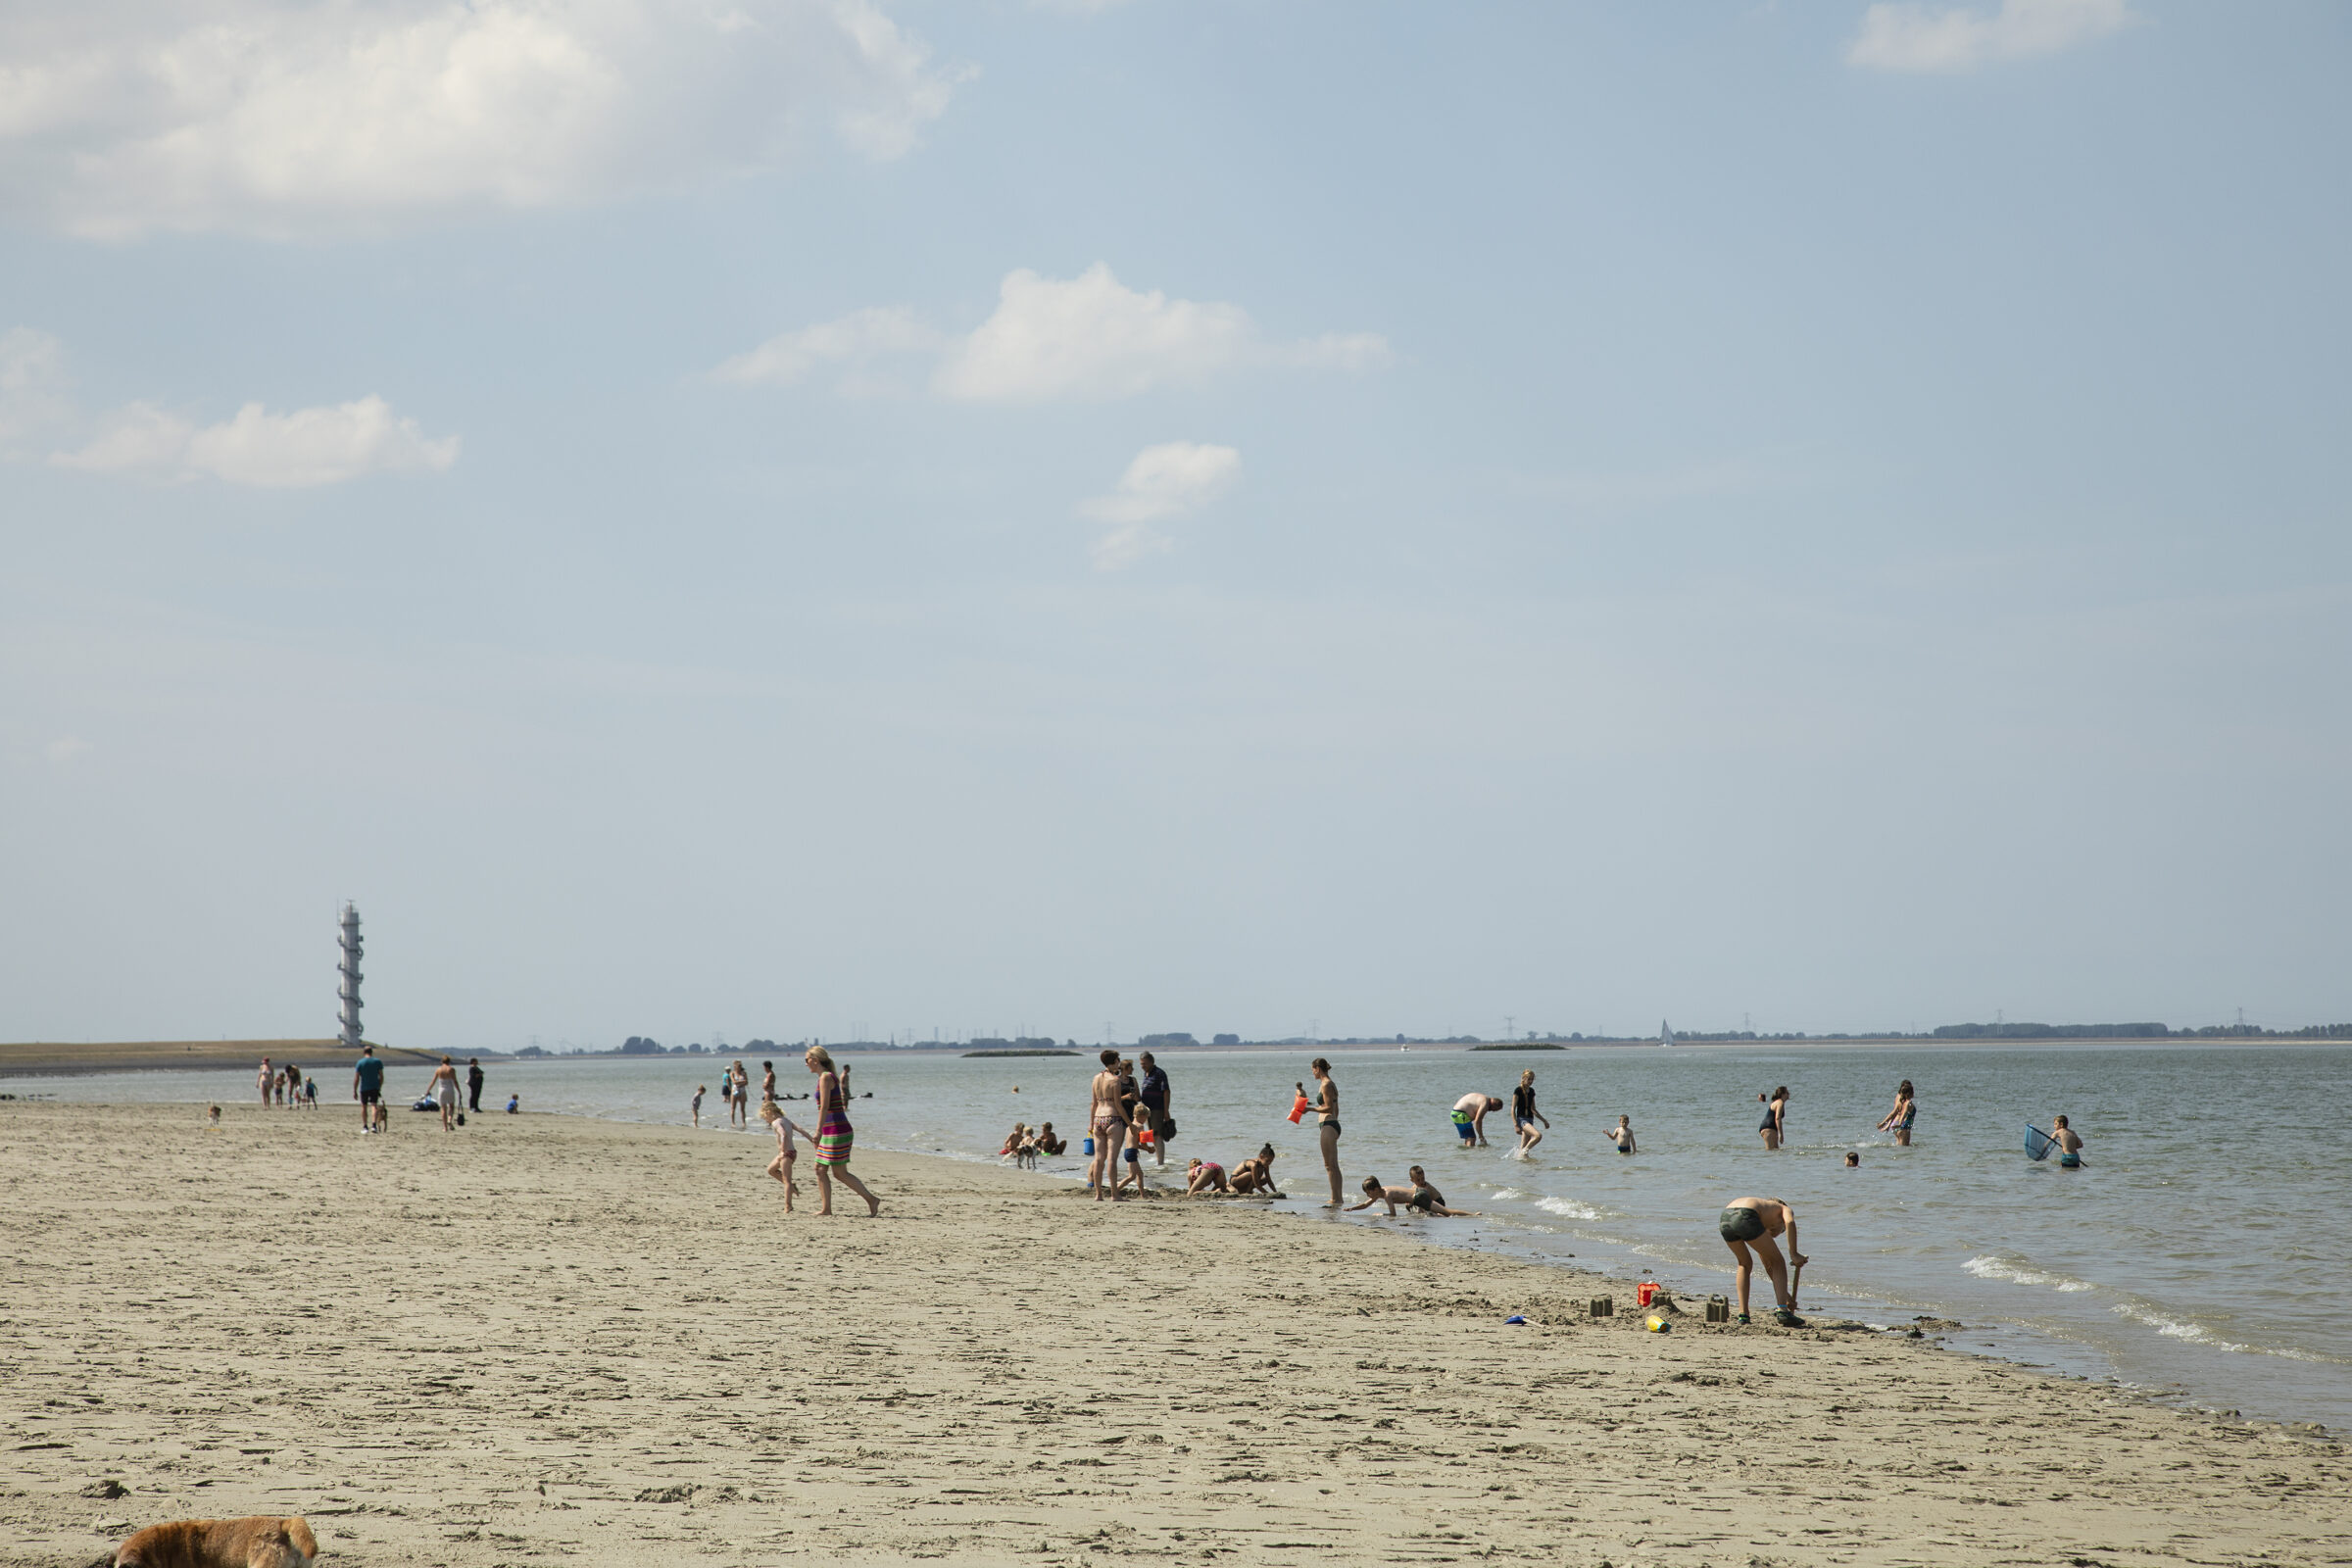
point(1997, 1268)
point(1505, 1194)
point(1566, 1208)
point(2198, 1334)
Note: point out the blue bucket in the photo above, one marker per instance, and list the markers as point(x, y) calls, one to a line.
point(1090, 1145)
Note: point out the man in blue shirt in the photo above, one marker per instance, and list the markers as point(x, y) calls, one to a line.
point(368, 1088)
point(1154, 1096)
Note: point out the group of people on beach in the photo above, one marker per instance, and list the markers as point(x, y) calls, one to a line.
point(735, 1088)
point(285, 1088)
point(1024, 1144)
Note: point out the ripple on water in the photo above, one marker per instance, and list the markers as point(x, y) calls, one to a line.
point(2021, 1273)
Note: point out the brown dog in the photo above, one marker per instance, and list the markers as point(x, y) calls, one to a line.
point(257, 1543)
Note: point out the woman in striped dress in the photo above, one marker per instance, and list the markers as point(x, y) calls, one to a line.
point(833, 1135)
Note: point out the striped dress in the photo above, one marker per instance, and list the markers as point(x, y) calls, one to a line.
point(833, 1131)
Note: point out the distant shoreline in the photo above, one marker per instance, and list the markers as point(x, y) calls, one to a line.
point(66, 1059)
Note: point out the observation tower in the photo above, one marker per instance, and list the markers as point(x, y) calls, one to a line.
point(350, 971)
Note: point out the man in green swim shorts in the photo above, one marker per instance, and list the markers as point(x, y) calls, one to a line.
point(1748, 1226)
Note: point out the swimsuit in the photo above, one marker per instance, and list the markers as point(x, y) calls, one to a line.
point(1423, 1200)
point(1765, 1125)
point(1740, 1225)
point(1463, 1125)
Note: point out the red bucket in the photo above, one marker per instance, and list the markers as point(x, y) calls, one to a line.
point(1643, 1292)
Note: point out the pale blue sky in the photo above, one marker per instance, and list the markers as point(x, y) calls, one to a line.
point(1189, 516)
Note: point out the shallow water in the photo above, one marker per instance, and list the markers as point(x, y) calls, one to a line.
point(2189, 1257)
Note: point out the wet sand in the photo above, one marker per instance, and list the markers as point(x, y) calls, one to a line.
point(544, 1338)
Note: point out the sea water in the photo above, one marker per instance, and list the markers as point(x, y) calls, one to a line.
point(2193, 1256)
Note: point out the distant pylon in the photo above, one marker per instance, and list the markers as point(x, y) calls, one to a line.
point(350, 971)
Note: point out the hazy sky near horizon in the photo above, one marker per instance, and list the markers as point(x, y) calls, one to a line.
point(776, 515)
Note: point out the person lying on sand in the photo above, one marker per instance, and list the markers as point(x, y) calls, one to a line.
point(1205, 1176)
point(1421, 1200)
point(1748, 1226)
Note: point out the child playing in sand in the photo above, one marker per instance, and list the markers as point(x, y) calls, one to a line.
point(1256, 1175)
point(787, 1152)
point(1749, 1226)
point(1205, 1176)
point(695, 1108)
point(1422, 1200)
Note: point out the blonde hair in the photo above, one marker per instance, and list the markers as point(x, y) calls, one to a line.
point(821, 1057)
point(769, 1110)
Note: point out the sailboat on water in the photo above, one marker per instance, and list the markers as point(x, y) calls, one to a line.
point(1665, 1035)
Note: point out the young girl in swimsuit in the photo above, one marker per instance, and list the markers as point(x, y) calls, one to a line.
point(1901, 1118)
point(1108, 1124)
point(787, 1152)
point(1205, 1176)
point(1524, 1115)
point(1256, 1175)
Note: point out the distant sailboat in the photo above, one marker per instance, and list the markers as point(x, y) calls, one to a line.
point(1665, 1035)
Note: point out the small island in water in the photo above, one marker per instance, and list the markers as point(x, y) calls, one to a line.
point(1520, 1045)
point(1020, 1053)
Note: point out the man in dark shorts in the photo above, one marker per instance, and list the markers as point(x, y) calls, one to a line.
point(1154, 1096)
point(368, 1088)
point(1748, 1226)
point(473, 1084)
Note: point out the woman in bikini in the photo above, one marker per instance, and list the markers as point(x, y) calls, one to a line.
point(1327, 1123)
point(1108, 1124)
point(1905, 1113)
point(834, 1135)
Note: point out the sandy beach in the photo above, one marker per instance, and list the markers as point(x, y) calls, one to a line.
point(545, 1338)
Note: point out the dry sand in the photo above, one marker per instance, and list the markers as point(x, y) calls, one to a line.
point(543, 1338)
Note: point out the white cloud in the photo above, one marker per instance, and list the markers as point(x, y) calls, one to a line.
point(305, 447)
point(1124, 546)
point(1090, 336)
point(1912, 36)
point(1163, 481)
point(854, 342)
point(286, 116)
point(1085, 337)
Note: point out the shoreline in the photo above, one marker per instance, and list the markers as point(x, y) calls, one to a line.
point(631, 1352)
point(73, 1059)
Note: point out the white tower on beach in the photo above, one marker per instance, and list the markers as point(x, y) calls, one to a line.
point(350, 971)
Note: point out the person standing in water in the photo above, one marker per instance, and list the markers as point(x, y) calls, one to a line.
point(1775, 1125)
point(1525, 1116)
point(1906, 1110)
point(1622, 1135)
point(833, 1135)
point(1748, 1226)
point(1470, 1118)
point(1156, 1099)
point(1108, 1122)
point(1327, 1123)
point(2069, 1141)
point(693, 1107)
